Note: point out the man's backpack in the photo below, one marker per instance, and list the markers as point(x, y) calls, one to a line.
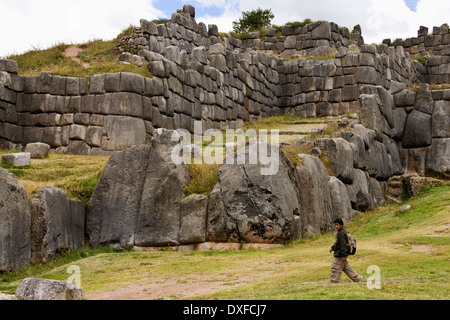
point(351, 248)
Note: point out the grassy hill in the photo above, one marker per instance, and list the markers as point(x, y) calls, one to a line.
point(100, 55)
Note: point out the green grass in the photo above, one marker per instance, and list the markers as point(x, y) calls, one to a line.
point(100, 55)
point(77, 176)
point(297, 271)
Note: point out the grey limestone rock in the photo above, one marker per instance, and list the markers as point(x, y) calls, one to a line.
point(37, 150)
point(250, 207)
point(121, 132)
point(159, 215)
point(44, 289)
point(52, 228)
point(418, 131)
point(361, 195)
point(340, 155)
point(441, 119)
point(193, 219)
point(15, 223)
point(340, 200)
point(315, 200)
point(17, 159)
point(115, 202)
point(438, 158)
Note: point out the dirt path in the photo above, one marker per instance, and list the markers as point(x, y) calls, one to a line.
point(170, 289)
point(72, 52)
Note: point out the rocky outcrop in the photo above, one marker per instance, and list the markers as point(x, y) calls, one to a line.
point(116, 200)
point(316, 211)
point(43, 289)
point(57, 224)
point(246, 206)
point(15, 223)
point(138, 198)
point(159, 220)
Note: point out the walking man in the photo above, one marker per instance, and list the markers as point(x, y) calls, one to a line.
point(340, 262)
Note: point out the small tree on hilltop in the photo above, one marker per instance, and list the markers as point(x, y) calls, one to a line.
point(253, 20)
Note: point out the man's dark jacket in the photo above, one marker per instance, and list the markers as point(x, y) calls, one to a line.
point(340, 246)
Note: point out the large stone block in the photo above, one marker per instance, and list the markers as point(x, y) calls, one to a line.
point(441, 119)
point(250, 207)
point(44, 289)
point(362, 199)
point(15, 223)
point(131, 82)
point(417, 130)
point(8, 65)
point(126, 104)
point(17, 159)
point(340, 155)
point(340, 201)
point(378, 165)
point(438, 158)
point(120, 133)
point(314, 196)
point(424, 101)
point(37, 150)
point(366, 75)
point(322, 31)
point(115, 202)
point(159, 215)
point(52, 228)
point(193, 219)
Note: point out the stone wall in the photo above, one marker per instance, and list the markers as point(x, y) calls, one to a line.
point(199, 76)
point(436, 43)
point(315, 38)
point(434, 46)
point(423, 130)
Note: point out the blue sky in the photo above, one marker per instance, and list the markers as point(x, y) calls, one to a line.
point(171, 6)
point(412, 4)
point(28, 24)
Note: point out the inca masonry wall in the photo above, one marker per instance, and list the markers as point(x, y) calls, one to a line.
point(198, 76)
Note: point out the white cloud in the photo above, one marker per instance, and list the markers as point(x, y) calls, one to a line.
point(27, 23)
point(379, 19)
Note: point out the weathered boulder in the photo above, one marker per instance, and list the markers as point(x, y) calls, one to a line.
point(387, 105)
point(424, 101)
point(246, 206)
point(361, 197)
point(120, 133)
point(340, 156)
point(441, 119)
point(395, 159)
point(315, 200)
point(193, 219)
point(371, 116)
point(417, 130)
point(340, 201)
point(378, 164)
point(17, 159)
point(15, 223)
point(52, 224)
point(37, 150)
point(400, 116)
point(44, 289)
point(438, 158)
point(115, 202)
point(159, 215)
point(377, 192)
